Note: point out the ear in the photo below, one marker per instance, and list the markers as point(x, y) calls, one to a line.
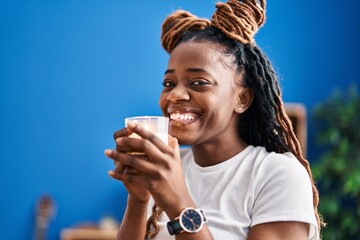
point(245, 98)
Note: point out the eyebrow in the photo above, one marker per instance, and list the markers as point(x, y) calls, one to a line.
point(188, 70)
point(169, 71)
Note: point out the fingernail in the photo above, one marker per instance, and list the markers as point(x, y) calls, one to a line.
point(131, 125)
point(111, 173)
point(107, 152)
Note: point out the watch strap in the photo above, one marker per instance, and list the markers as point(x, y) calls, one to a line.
point(174, 227)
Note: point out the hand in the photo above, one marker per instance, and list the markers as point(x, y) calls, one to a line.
point(137, 193)
point(160, 170)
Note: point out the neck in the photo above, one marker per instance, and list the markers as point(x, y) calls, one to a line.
point(209, 154)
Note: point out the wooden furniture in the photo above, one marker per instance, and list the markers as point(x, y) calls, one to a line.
point(88, 234)
point(297, 115)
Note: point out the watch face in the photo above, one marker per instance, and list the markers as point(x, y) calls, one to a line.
point(191, 220)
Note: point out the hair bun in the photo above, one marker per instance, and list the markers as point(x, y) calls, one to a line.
point(240, 19)
point(177, 23)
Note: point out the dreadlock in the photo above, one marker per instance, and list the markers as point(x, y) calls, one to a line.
point(152, 226)
point(265, 123)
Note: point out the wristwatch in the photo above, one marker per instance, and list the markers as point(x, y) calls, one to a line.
point(191, 220)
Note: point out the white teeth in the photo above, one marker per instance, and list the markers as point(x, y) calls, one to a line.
point(182, 116)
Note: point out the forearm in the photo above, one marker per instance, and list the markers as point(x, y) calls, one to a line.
point(133, 225)
point(203, 234)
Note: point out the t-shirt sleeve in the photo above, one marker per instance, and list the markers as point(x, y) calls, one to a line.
point(283, 193)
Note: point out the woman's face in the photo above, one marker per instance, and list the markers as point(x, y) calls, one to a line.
point(200, 93)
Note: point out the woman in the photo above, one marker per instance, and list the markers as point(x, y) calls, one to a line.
point(244, 176)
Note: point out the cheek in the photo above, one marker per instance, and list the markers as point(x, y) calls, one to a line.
point(224, 99)
point(223, 106)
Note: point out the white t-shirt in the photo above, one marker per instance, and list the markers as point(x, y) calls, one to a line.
point(251, 188)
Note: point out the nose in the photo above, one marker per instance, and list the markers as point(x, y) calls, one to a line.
point(178, 94)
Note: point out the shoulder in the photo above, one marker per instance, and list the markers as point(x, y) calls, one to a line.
point(282, 174)
point(282, 189)
point(282, 166)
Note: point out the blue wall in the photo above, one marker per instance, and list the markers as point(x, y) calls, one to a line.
point(71, 70)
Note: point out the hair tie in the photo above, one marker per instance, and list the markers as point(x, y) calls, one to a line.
point(275, 132)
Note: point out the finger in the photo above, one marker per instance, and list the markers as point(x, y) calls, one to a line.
point(152, 146)
point(122, 133)
point(128, 144)
point(174, 143)
point(148, 135)
point(111, 173)
point(115, 175)
point(108, 153)
point(135, 163)
point(119, 167)
point(116, 172)
point(131, 179)
point(132, 171)
point(153, 153)
point(114, 155)
point(139, 163)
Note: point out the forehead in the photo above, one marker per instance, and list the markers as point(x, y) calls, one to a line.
point(201, 55)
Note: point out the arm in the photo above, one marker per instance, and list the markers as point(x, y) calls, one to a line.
point(204, 234)
point(280, 231)
point(133, 225)
point(160, 174)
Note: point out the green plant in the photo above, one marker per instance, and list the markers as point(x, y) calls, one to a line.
point(337, 172)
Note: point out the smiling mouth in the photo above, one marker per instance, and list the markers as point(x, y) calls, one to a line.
point(184, 117)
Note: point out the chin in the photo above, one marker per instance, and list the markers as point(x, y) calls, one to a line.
point(182, 139)
point(184, 143)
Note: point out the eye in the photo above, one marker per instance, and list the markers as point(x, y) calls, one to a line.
point(199, 82)
point(168, 83)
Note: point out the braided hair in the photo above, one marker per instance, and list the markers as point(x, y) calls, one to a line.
point(265, 123)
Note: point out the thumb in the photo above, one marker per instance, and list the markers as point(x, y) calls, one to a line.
point(174, 143)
